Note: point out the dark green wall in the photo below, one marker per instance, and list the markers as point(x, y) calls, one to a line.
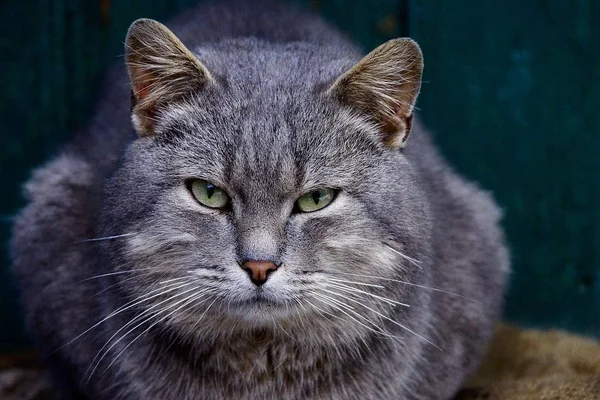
point(511, 91)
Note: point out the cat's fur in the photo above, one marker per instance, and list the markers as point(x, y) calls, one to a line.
point(270, 119)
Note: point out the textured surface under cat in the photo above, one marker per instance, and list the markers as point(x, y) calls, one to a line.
point(410, 201)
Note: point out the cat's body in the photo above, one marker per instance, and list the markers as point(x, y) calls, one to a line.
point(257, 131)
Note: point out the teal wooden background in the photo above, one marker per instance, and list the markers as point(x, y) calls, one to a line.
point(511, 91)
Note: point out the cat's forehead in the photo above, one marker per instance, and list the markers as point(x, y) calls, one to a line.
point(281, 136)
point(291, 118)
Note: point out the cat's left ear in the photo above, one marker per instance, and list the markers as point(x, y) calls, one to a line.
point(161, 70)
point(384, 86)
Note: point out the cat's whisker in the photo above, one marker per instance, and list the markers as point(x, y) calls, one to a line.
point(378, 330)
point(142, 315)
point(409, 284)
point(276, 324)
point(121, 309)
point(343, 296)
point(204, 313)
point(113, 285)
point(188, 300)
point(394, 322)
point(299, 302)
point(150, 295)
point(173, 280)
point(105, 238)
point(114, 273)
point(318, 310)
point(324, 314)
point(152, 316)
point(338, 302)
point(356, 283)
point(413, 261)
point(347, 288)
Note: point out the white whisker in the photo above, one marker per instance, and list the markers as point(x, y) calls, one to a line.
point(105, 238)
point(190, 299)
point(413, 261)
point(347, 288)
point(145, 312)
point(378, 329)
point(173, 280)
point(283, 330)
point(298, 312)
point(357, 283)
point(202, 315)
point(114, 273)
point(125, 307)
point(409, 284)
point(154, 315)
point(334, 301)
point(395, 322)
point(113, 285)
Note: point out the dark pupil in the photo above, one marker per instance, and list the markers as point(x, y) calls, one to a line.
point(316, 196)
point(210, 190)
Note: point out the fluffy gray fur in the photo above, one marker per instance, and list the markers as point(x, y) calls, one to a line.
point(390, 292)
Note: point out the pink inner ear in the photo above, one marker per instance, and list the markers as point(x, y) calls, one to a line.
point(142, 85)
point(142, 92)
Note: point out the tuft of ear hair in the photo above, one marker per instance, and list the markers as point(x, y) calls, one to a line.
point(161, 70)
point(384, 86)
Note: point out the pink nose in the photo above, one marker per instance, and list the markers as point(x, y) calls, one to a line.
point(259, 270)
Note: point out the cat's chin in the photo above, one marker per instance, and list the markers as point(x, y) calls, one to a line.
point(261, 309)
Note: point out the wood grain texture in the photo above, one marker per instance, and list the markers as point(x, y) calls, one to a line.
point(511, 89)
point(512, 92)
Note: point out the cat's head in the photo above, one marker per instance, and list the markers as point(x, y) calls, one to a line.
point(268, 186)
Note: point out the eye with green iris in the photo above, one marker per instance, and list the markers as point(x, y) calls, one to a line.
point(208, 194)
point(315, 200)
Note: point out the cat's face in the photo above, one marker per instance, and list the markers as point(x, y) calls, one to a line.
point(287, 175)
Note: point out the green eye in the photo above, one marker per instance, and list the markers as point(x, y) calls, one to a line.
point(315, 200)
point(208, 194)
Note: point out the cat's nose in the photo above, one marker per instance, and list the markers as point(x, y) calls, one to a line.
point(259, 270)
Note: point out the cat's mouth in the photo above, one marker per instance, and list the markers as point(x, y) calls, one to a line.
point(260, 299)
point(259, 306)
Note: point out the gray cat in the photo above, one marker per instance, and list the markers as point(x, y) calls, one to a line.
point(264, 231)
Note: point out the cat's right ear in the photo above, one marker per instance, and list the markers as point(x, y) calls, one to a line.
point(161, 70)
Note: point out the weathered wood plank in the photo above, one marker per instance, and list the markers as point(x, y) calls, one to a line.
point(512, 94)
